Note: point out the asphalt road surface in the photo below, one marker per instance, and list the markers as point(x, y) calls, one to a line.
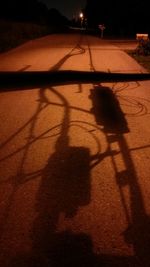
point(74, 160)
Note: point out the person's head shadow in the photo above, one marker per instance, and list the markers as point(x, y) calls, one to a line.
point(107, 111)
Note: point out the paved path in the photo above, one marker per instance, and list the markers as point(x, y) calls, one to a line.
point(74, 161)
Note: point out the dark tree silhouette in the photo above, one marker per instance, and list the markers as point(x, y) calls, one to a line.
point(30, 11)
point(25, 10)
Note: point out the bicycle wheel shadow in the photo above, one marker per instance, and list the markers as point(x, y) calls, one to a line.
point(108, 114)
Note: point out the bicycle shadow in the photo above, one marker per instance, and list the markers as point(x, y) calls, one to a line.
point(66, 186)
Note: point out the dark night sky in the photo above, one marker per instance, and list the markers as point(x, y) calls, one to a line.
point(68, 8)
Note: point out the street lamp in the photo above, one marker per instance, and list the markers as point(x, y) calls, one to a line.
point(81, 15)
point(81, 18)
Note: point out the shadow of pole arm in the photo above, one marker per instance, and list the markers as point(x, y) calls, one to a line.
point(12, 80)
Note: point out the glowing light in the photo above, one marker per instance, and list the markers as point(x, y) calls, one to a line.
point(81, 15)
